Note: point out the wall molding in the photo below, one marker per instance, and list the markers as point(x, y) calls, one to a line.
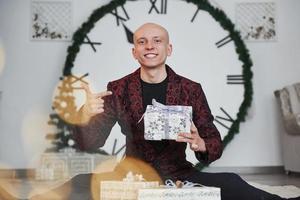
point(248, 170)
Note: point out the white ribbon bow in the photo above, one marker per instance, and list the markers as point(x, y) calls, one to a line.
point(167, 108)
point(185, 184)
point(131, 178)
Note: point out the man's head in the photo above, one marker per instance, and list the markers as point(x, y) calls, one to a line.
point(151, 45)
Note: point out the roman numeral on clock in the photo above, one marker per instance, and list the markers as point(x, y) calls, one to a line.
point(79, 79)
point(129, 34)
point(75, 79)
point(88, 41)
point(223, 41)
point(119, 17)
point(221, 120)
point(163, 6)
point(114, 151)
point(235, 79)
point(194, 16)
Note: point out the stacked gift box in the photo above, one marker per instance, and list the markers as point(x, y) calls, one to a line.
point(133, 188)
point(195, 193)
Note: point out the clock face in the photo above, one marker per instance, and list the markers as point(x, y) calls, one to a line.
point(204, 49)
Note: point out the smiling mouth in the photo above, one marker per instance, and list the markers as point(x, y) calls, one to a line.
point(150, 55)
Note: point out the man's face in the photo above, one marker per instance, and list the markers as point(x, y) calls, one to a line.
point(151, 46)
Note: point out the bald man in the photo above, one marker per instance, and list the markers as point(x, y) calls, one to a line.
point(125, 102)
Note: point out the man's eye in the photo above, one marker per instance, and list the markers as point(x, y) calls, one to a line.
point(141, 42)
point(157, 41)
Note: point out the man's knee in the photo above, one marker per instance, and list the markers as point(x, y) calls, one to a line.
point(232, 177)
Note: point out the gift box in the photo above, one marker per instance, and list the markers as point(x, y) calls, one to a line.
point(203, 193)
point(127, 189)
point(189, 191)
point(165, 122)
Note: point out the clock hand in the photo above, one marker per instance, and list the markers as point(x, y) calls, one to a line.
point(129, 34)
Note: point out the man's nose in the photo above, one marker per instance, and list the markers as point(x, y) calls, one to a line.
point(149, 45)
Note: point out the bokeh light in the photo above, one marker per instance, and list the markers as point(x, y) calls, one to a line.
point(7, 189)
point(68, 97)
point(55, 190)
point(106, 165)
point(35, 127)
point(51, 178)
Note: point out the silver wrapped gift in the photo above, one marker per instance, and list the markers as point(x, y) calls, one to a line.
point(185, 191)
point(165, 122)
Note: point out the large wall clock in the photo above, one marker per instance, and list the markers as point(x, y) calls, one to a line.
point(206, 49)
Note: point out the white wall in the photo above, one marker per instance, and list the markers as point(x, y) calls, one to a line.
point(275, 65)
point(31, 70)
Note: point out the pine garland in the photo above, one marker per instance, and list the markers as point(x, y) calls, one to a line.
point(204, 5)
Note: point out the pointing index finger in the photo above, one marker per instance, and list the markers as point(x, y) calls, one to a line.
point(105, 93)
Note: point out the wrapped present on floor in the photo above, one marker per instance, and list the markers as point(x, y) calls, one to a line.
point(165, 122)
point(188, 191)
point(126, 189)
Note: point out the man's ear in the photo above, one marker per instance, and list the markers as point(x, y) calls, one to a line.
point(170, 49)
point(133, 53)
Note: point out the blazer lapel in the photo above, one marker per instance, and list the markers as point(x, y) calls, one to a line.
point(135, 96)
point(174, 89)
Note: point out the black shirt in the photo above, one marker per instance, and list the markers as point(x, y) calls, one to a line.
point(157, 91)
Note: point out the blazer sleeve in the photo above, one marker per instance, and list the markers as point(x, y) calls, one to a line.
point(203, 120)
point(94, 134)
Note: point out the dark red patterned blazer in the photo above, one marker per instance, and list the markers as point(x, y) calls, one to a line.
point(125, 106)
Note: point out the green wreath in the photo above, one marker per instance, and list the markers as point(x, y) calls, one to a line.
point(218, 15)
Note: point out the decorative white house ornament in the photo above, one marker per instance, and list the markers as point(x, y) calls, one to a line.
point(68, 163)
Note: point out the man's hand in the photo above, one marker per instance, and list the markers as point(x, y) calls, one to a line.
point(94, 103)
point(193, 138)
